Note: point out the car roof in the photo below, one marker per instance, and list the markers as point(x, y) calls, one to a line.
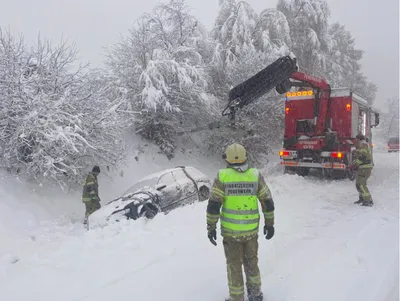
point(165, 171)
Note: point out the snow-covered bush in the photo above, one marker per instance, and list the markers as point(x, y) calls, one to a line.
point(161, 65)
point(233, 32)
point(258, 126)
point(248, 42)
point(56, 120)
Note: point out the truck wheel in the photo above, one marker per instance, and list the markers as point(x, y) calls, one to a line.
point(303, 171)
point(289, 170)
point(331, 174)
point(326, 173)
point(339, 174)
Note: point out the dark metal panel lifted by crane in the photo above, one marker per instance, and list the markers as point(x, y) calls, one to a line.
point(275, 75)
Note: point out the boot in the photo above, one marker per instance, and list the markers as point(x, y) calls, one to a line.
point(260, 297)
point(86, 223)
point(360, 201)
point(368, 203)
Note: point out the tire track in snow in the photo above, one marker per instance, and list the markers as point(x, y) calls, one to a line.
point(125, 276)
point(332, 242)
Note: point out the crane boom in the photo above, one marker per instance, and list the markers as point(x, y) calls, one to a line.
point(275, 75)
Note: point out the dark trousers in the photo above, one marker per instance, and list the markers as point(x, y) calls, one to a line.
point(238, 253)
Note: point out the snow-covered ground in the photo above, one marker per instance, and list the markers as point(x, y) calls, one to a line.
point(325, 247)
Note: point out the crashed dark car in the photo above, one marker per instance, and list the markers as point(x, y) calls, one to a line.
point(159, 192)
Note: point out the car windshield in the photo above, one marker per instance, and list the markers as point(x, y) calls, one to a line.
point(394, 140)
point(142, 183)
point(195, 173)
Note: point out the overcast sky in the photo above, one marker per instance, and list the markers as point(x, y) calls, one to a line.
point(93, 24)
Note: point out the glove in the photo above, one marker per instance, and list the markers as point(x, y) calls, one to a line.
point(269, 231)
point(212, 236)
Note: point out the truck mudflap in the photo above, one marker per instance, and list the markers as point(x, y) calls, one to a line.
point(334, 165)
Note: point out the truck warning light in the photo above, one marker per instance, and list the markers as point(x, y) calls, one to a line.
point(300, 93)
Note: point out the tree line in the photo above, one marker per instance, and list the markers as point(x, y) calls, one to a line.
point(166, 76)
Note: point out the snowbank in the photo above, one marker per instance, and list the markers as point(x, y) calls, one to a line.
point(23, 210)
point(26, 209)
point(325, 248)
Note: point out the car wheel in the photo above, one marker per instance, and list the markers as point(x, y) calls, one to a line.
point(204, 193)
point(149, 211)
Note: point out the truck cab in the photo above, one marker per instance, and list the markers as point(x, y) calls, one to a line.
point(321, 122)
point(320, 130)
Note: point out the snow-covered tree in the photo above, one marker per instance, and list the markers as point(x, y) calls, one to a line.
point(343, 66)
point(325, 50)
point(56, 120)
point(233, 30)
point(308, 22)
point(342, 58)
point(238, 31)
point(272, 32)
point(162, 66)
point(246, 43)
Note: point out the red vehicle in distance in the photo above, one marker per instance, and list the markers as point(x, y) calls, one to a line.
point(393, 144)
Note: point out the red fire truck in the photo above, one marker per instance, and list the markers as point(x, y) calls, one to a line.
point(321, 122)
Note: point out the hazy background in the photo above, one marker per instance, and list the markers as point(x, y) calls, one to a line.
point(95, 24)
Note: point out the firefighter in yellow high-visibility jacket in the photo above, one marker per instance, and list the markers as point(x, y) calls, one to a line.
point(234, 199)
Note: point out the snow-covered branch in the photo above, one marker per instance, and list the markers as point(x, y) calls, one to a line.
point(56, 120)
point(162, 64)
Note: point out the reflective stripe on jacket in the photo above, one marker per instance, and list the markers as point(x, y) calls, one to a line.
point(90, 188)
point(239, 213)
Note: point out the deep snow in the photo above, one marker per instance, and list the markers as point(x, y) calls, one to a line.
point(325, 247)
